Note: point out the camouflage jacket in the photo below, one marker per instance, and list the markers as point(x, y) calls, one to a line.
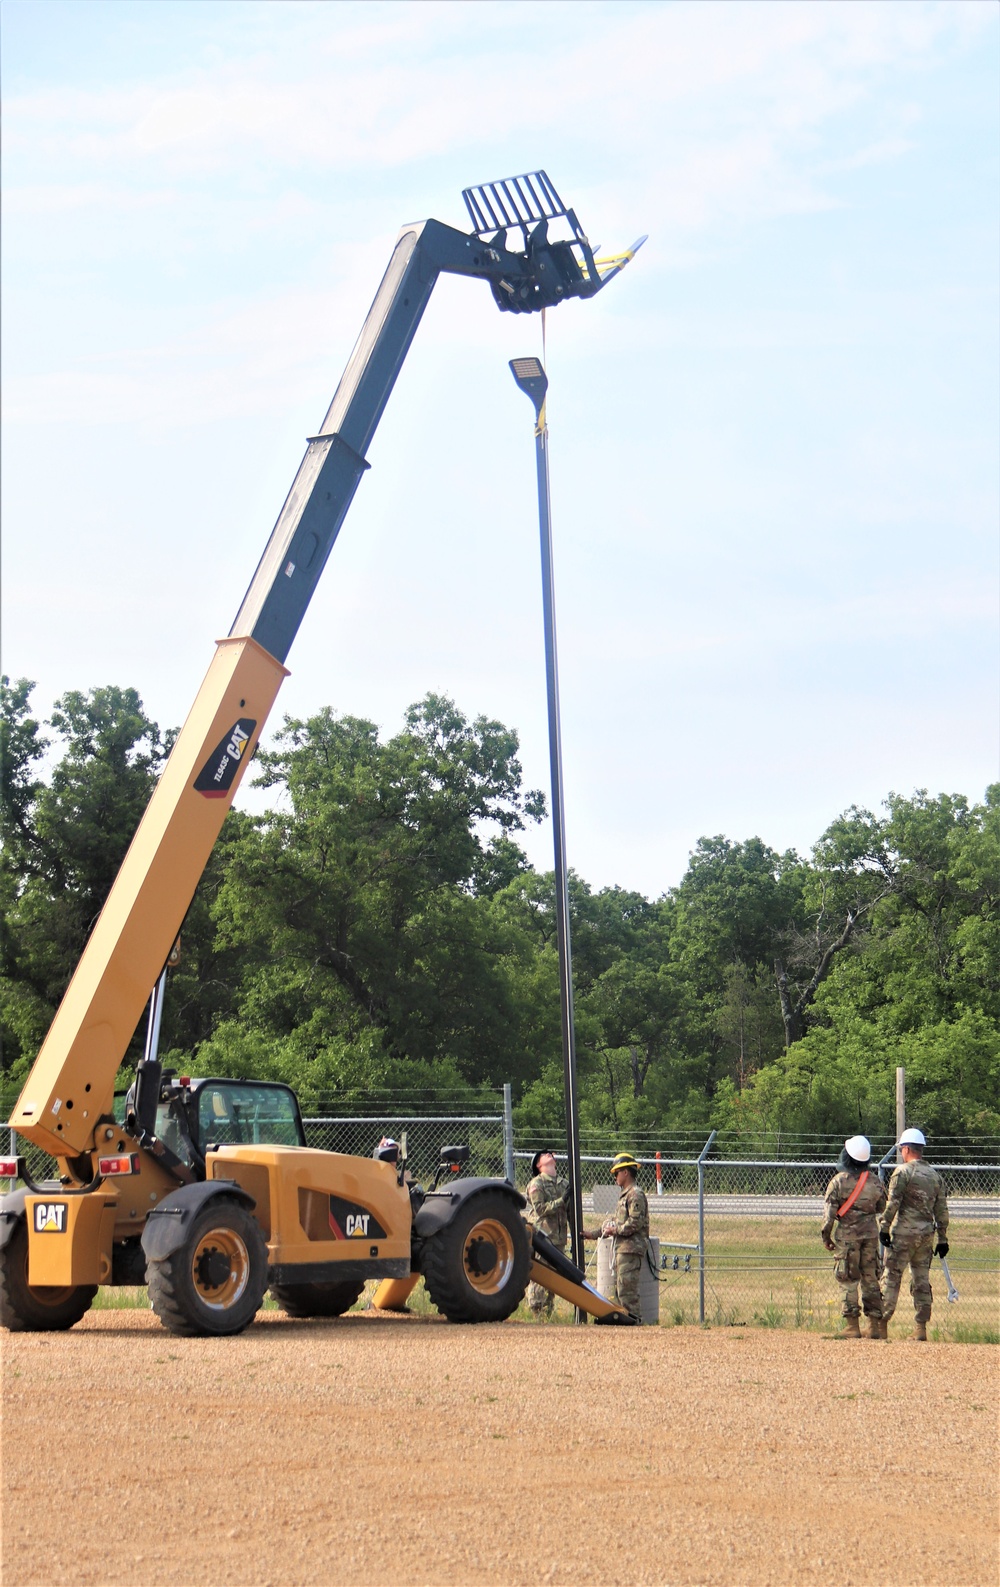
point(859, 1222)
point(631, 1220)
point(548, 1200)
point(917, 1201)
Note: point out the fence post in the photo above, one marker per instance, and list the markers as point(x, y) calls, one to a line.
point(701, 1226)
point(508, 1133)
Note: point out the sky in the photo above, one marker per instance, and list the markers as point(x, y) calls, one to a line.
point(774, 438)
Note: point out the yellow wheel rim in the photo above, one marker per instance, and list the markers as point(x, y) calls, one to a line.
point(220, 1268)
point(488, 1257)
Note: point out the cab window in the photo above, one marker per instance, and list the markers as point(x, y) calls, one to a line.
point(170, 1129)
point(235, 1114)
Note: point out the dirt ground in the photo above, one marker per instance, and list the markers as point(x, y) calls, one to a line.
point(413, 1451)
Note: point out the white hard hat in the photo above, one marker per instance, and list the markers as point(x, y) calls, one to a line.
point(859, 1147)
point(912, 1138)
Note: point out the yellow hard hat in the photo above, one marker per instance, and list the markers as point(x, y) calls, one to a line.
point(624, 1160)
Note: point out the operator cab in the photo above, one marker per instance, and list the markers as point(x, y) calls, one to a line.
point(195, 1116)
point(246, 1113)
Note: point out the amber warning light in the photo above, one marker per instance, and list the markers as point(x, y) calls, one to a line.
point(126, 1164)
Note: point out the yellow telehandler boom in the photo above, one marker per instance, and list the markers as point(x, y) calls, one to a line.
point(208, 1191)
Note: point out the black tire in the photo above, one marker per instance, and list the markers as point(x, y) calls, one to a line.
point(476, 1268)
point(44, 1308)
point(317, 1300)
point(215, 1282)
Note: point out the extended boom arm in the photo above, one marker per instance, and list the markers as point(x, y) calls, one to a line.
point(70, 1087)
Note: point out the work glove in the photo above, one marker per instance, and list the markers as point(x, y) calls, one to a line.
point(942, 1248)
point(884, 1237)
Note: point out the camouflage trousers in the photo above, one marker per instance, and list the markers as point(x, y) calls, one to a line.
point(541, 1300)
point(858, 1267)
point(917, 1250)
point(626, 1269)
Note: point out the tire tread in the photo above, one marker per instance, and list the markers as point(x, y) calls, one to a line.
point(168, 1279)
point(444, 1281)
point(309, 1300)
point(17, 1314)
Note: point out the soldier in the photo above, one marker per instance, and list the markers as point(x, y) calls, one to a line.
point(387, 1151)
point(630, 1229)
point(548, 1201)
point(853, 1198)
point(917, 1204)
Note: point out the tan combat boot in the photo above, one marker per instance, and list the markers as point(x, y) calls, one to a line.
point(875, 1328)
point(852, 1328)
point(920, 1331)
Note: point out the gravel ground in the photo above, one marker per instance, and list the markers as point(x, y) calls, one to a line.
point(413, 1451)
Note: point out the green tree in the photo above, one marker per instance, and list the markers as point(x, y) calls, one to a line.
point(64, 840)
point(22, 746)
point(748, 1020)
point(918, 984)
point(854, 869)
point(364, 908)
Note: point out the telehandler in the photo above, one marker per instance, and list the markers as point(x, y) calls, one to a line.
point(207, 1192)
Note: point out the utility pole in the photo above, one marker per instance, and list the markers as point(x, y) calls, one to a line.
point(900, 1109)
point(532, 380)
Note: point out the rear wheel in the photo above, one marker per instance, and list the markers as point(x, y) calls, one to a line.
point(215, 1282)
point(317, 1300)
point(476, 1268)
point(38, 1309)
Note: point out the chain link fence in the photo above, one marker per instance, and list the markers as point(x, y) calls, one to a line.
point(774, 1147)
point(757, 1258)
point(739, 1233)
point(485, 1135)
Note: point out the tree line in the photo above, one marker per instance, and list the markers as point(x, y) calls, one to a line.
point(380, 929)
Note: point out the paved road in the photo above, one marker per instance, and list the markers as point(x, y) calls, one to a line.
point(960, 1207)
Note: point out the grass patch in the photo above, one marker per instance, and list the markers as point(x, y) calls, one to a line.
point(966, 1333)
point(761, 1272)
point(674, 1316)
point(771, 1317)
point(762, 1267)
point(122, 1297)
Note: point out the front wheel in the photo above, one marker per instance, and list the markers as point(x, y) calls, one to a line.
point(476, 1268)
point(215, 1282)
point(317, 1300)
point(42, 1308)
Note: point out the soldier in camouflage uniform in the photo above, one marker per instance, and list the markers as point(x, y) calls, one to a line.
point(853, 1199)
point(630, 1229)
point(917, 1205)
point(548, 1210)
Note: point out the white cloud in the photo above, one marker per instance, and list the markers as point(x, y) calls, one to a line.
point(721, 98)
point(778, 471)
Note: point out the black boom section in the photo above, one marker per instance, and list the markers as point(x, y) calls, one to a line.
point(328, 475)
point(543, 274)
point(556, 1259)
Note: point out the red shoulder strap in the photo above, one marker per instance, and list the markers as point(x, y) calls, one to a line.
point(855, 1193)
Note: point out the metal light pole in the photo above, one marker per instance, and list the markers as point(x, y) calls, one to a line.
point(531, 379)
